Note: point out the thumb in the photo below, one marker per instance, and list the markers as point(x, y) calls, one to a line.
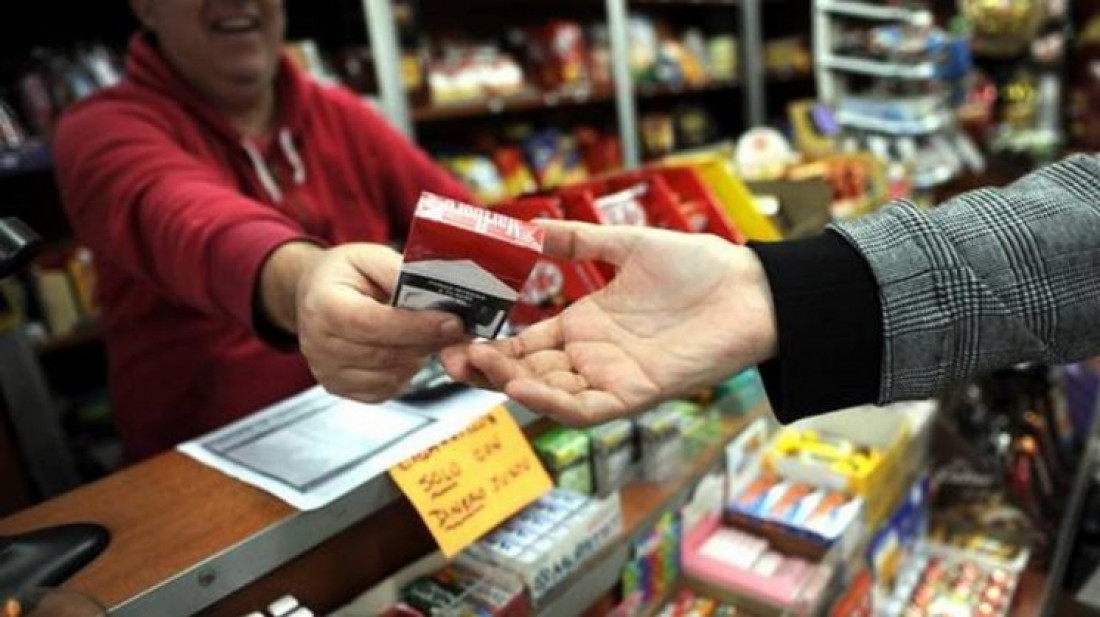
point(584, 241)
point(377, 264)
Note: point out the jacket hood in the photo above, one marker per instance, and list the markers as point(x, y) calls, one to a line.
point(148, 68)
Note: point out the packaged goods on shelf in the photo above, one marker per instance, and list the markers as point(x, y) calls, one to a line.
point(653, 567)
point(689, 603)
point(612, 447)
point(742, 393)
point(796, 517)
point(939, 581)
point(895, 542)
point(548, 541)
point(824, 451)
point(661, 443)
point(671, 197)
point(566, 454)
point(456, 591)
point(717, 172)
point(659, 55)
point(741, 568)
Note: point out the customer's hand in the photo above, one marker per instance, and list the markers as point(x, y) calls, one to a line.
point(683, 312)
point(356, 344)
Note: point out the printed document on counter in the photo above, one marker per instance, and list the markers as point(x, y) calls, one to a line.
point(314, 447)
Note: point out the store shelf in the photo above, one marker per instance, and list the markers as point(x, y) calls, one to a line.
point(871, 11)
point(935, 177)
point(650, 91)
point(518, 103)
point(879, 68)
point(642, 503)
point(929, 124)
point(683, 3)
point(30, 158)
point(786, 77)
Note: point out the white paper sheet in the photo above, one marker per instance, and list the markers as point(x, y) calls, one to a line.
point(315, 447)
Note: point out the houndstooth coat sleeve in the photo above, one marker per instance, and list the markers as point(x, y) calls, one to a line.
point(988, 279)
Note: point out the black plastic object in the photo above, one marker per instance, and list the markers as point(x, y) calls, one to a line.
point(47, 557)
point(17, 245)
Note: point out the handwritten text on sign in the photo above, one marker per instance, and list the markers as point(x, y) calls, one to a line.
point(465, 486)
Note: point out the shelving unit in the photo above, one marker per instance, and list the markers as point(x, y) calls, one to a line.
point(927, 125)
point(877, 68)
point(530, 101)
point(869, 11)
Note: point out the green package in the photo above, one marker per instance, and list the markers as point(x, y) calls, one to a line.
point(565, 453)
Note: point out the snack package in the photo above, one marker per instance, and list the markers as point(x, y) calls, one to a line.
point(466, 260)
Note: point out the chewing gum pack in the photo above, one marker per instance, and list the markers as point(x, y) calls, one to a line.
point(466, 260)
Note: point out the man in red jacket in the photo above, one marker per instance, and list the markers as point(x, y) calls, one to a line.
point(211, 185)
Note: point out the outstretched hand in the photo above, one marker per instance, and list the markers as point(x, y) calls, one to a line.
point(683, 312)
point(356, 344)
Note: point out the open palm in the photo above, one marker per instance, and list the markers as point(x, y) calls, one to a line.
point(683, 312)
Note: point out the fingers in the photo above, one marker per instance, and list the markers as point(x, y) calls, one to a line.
point(580, 241)
point(349, 315)
point(456, 362)
point(368, 385)
point(378, 264)
point(583, 408)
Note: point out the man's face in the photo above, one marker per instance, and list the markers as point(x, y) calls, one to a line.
point(228, 49)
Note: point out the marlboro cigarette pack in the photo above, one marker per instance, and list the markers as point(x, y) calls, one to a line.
point(466, 260)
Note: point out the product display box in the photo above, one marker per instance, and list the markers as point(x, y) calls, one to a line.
point(824, 451)
point(798, 518)
point(742, 568)
point(940, 580)
point(612, 449)
point(466, 260)
point(566, 455)
point(548, 541)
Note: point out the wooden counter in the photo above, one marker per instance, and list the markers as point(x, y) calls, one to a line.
point(188, 540)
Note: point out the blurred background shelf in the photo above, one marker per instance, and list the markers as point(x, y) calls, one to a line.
point(531, 101)
point(32, 157)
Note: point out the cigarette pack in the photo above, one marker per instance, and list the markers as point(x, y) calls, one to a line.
point(466, 260)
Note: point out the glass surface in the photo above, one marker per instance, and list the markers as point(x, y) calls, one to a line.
point(49, 603)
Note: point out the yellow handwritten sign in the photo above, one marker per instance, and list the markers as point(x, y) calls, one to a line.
point(470, 483)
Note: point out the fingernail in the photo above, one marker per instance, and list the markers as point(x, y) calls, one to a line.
point(450, 328)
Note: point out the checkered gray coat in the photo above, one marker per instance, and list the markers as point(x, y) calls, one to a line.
point(989, 279)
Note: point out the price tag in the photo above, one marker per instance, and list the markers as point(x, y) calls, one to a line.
point(470, 483)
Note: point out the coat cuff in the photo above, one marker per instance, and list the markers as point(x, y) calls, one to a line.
point(829, 321)
point(241, 252)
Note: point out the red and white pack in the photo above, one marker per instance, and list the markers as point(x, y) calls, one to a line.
point(554, 283)
point(466, 260)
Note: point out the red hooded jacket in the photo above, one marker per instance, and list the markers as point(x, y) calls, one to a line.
point(181, 212)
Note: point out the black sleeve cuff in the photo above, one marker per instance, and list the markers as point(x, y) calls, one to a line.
point(271, 335)
point(829, 323)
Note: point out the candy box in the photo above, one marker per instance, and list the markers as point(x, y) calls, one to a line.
point(466, 260)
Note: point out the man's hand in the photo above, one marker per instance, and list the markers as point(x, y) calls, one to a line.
point(683, 312)
point(357, 346)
